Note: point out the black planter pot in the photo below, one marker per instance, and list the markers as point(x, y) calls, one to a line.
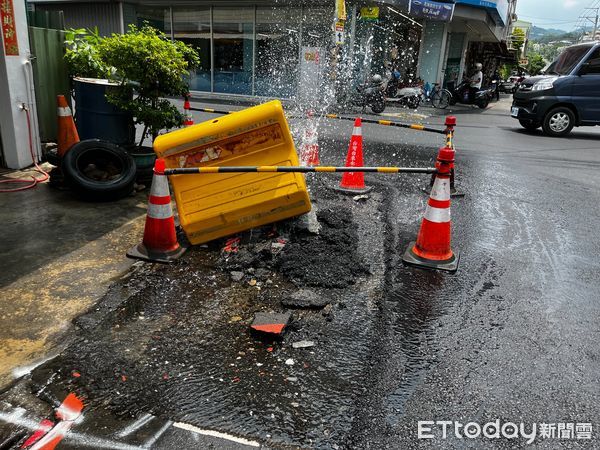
point(144, 158)
point(96, 118)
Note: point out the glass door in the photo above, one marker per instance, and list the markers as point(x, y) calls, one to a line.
point(277, 51)
point(192, 26)
point(233, 49)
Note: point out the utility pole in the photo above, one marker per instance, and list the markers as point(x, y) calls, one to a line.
point(590, 15)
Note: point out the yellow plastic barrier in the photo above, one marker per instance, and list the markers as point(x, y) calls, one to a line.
point(215, 205)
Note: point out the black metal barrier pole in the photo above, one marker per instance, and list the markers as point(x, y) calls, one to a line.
point(318, 169)
point(210, 110)
point(387, 123)
point(450, 124)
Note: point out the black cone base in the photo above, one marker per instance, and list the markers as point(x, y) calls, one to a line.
point(141, 252)
point(450, 265)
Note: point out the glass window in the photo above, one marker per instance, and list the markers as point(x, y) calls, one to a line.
point(277, 51)
point(317, 65)
point(159, 18)
point(593, 62)
point(192, 26)
point(567, 60)
point(233, 45)
point(316, 26)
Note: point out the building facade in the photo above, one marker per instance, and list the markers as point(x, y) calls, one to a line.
point(525, 27)
point(284, 48)
point(268, 48)
point(477, 32)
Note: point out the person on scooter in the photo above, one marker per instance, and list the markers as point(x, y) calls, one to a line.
point(496, 80)
point(475, 82)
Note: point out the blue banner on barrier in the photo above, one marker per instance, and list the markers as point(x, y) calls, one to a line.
point(432, 10)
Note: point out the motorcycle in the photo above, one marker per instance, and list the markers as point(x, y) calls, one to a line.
point(494, 91)
point(371, 94)
point(461, 94)
point(392, 84)
point(409, 97)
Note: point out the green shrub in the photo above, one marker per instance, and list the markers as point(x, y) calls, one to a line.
point(81, 54)
point(148, 67)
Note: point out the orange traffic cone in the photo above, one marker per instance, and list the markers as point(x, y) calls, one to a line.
point(160, 239)
point(354, 182)
point(309, 152)
point(67, 133)
point(432, 249)
point(189, 120)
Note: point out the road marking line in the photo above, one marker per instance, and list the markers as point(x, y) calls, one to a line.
point(135, 425)
point(150, 442)
point(217, 434)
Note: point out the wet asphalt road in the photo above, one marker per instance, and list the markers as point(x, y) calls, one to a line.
point(512, 336)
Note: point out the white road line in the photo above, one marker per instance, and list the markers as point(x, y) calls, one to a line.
point(217, 434)
point(135, 425)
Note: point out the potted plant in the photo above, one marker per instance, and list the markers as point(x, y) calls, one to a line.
point(96, 117)
point(146, 66)
point(147, 63)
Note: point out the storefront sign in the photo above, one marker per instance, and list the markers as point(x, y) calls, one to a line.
point(431, 10)
point(498, 8)
point(311, 68)
point(340, 9)
point(9, 28)
point(369, 13)
point(339, 33)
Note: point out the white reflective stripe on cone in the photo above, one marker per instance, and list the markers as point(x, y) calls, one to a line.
point(441, 189)
point(437, 215)
point(160, 211)
point(160, 186)
point(357, 131)
point(64, 111)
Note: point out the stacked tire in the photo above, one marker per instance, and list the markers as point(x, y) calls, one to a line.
point(99, 170)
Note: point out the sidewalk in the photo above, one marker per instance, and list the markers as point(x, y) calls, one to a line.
point(59, 256)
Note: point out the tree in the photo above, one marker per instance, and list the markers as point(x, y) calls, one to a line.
point(156, 67)
point(506, 70)
point(517, 38)
point(147, 65)
point(536, 63)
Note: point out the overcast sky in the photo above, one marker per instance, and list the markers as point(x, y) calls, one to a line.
point(561, 14)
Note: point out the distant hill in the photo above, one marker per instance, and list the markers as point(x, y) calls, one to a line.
point(538, 33)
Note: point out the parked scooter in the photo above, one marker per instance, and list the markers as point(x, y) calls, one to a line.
point(409, 97)
point(392, 84)
point(461, 94)
point(371, 94)
point(494, 91)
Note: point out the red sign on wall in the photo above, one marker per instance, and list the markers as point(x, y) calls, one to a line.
point(9, 29)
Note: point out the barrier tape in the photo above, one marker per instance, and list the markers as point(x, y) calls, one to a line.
point(210, 110)
point(388, 123)
point(449, 139)
point(318, 169)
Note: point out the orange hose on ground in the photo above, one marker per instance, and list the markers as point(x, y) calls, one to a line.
point(34, 181)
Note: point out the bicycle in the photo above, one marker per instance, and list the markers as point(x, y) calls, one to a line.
point(438, 97)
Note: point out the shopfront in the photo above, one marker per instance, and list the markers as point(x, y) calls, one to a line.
point(274, 48)
point(451, 45)
point(246, 50)
point(386, 40)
